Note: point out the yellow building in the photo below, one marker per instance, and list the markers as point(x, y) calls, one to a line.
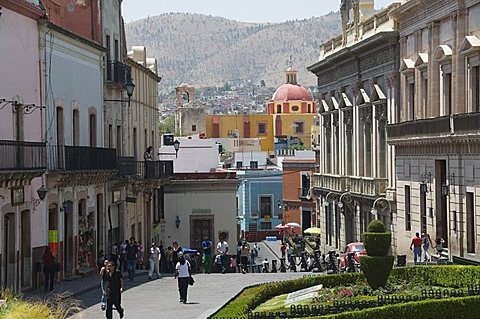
point(291, 113)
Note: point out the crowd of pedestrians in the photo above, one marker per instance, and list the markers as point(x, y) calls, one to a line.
point(424, 243)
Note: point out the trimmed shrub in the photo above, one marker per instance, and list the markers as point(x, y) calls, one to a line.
point(444, 276)
point(377, 244)
point(377, 265)
point(376, 226)
point(376, 269)
point(251, 297)
point(463, 307)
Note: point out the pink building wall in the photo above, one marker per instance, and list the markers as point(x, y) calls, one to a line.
point(20, 75)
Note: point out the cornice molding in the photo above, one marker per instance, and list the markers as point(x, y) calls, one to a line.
point(24, 8)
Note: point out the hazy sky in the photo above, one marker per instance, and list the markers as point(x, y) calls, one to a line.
point(241, 10)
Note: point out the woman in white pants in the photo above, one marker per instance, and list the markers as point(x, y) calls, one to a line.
point(154, 260)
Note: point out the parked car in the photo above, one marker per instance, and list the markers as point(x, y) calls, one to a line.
point(357, 248)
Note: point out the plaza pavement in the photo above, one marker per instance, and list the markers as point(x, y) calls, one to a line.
point(159, 298)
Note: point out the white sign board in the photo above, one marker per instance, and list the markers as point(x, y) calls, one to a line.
point(299, 295)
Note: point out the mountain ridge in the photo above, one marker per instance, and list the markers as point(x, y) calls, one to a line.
point(205, 50)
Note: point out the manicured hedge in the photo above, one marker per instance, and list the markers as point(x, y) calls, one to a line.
point(446, 276)
point(376, 269)
point(251, 297)
point(377, 244)
point(464, 307)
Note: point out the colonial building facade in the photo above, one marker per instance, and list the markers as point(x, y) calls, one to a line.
point(436, 134)
point(22, 149)
point(357, 80)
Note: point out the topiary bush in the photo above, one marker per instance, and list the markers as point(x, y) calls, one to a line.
point(377, 265)
point(377, 268)
point(377, 244)
point(376, 226)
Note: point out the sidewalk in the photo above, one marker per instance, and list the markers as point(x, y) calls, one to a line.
point(75, 287)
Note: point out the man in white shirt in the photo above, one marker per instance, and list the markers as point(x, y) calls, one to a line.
point(154, 261)
point(222, 249)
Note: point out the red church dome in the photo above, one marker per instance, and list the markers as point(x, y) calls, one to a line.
point(292, 92)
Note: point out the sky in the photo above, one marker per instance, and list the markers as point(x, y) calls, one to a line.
point(243, 10)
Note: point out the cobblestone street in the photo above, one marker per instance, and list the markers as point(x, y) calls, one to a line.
point(160, 299)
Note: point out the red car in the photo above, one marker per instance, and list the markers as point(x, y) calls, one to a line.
point(357, 248)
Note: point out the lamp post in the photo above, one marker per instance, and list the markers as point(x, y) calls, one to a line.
point(176, 146)
point(130, 86)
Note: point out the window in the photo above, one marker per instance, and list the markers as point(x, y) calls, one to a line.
point(425, 94)
point(266, 225)
point(475, 88)
point(411, 100)
point(116, 50)
point(254, 164)
point(239, 164)
point(265, 206)
point(262, 128)
point(110, 136)
point(194, 128)
point(408, 215)
point(76, 127)
point(93, 130)
point(305, 187)
point(119, 139)
point(299, 127)
point(279, 109)
point(295, 108)
point(447, 93)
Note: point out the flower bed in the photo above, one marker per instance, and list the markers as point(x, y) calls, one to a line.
point(348, 285)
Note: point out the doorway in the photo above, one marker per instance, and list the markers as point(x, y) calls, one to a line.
point(68, 239)
point(200, 227)
point(441, 201)
point(306, 219)
point(8, 274)
point(26, 252)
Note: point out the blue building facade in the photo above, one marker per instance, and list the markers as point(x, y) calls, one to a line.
point(258, 198)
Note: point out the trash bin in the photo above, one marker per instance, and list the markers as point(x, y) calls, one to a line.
point(401, 260)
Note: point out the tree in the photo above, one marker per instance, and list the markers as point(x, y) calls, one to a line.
point(168, 126)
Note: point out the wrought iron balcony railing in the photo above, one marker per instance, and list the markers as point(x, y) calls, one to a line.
point(439, 126)
point(130, 168)
point(81, 158)
point(22, 156)
point(118, 72)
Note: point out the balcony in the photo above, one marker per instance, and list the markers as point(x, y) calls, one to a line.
point(466, 123)
point(367, 185)
point(335, 183)
point(359, 185)
point(22, 156)
point(435, 127)
point(130, 168)
point(81, 158)
point(117, 72)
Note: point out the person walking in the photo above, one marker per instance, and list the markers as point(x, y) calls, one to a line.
point(131, 256)
point(207, 255)
point(244, 252)
point(222, 250)
point(123, 254)
point(48, 269)
point(169, 260)
point(103, 273)
point(113, 289)
point(154, 260)
point(182, 272)
point(416, 244)
point(283, 249)
point(426, 243)
point(439, 241)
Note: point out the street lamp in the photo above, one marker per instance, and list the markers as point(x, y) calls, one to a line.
point(176, 146)
point(177, 221)
point(383, 204)
point(130, 86)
